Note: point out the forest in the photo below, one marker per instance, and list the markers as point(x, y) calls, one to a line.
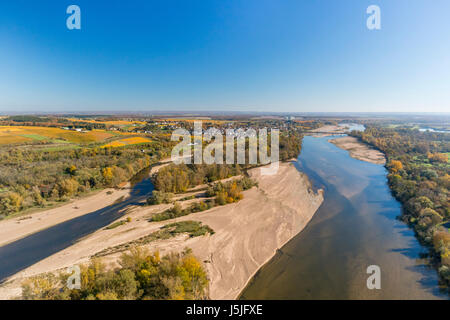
point(141, 276)
point(419, 177)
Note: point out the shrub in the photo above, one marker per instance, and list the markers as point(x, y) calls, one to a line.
point(10, 202)
point(159, 197)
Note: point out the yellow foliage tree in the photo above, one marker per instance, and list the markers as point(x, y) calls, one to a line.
point(107, 174)
point(395, 165)
point(438, 157)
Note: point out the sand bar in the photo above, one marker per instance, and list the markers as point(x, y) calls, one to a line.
point(247, 233)
point(359, 150)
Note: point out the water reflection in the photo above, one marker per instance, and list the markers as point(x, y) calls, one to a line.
point(355, 227)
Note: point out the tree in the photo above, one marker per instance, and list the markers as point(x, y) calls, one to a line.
point(159, 197)
point(176, 209)
point(432, 214)
point(43, 287)
point(125, 284)
point(395, 166)
point(68, 187)
point(221, 198)
point(107, 174)
point(72, 170)
point(10, 202)
point(438, 157)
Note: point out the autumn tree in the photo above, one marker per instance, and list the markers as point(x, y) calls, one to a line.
point(395, 166)
point(10, 202)
point(438, 157)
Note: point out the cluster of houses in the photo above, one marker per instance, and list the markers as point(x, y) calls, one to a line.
point(75, 129)
point(249, 132)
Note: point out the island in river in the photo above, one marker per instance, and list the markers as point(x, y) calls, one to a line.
point(247, 233)
point(359, 150)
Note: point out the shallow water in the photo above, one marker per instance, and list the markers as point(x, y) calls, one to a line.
point(355, 227)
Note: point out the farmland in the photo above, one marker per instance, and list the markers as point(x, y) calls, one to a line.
point(23, 134)
point(126, 142)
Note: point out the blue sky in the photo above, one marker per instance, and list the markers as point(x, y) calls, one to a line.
point(249, 55)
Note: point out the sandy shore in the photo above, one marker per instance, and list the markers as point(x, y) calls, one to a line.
point(247, 233)
point(20, 227)
point(360, 150)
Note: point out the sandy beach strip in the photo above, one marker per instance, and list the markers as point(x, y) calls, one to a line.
point(16, 228)
point(330, 129)
point(247, 233)
point(359, 150)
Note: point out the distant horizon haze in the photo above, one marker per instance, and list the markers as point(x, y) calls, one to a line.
point(194, 113)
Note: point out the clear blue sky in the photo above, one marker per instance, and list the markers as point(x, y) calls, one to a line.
point(249, 55)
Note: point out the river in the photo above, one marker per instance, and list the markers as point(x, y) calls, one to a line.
point(355, 227)
point(22, 253)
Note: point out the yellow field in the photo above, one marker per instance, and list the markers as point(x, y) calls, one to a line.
point(9, 139)
point(126, 142)
point(16, 134)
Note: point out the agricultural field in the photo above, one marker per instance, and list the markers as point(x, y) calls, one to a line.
point(126, 142)
point(122, 124)
point(24, 134)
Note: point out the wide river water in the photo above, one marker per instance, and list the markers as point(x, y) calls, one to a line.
point(354, 228)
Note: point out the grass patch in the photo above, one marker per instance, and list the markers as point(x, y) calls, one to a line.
point(191, 228)
point(35, 137)
point(176, 210)
point(60, 148)
point(116, 224)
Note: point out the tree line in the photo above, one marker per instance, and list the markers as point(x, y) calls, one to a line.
point(419, 177)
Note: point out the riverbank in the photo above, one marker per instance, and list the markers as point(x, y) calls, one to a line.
point(247, 233)
point(16, 228)
point(22, 226)
point(359, 150)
